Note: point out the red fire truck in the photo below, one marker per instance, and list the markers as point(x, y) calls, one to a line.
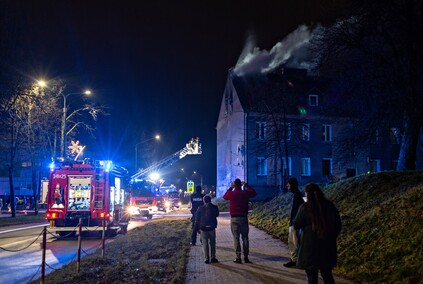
point(90, 191)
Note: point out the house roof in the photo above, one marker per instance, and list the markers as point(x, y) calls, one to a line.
point(282, 88)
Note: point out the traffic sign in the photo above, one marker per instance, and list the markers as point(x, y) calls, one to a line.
point(190, 186)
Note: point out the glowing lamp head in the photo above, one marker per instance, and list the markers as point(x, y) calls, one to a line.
point(155, 176)
point(42, 83)
point(108, 166)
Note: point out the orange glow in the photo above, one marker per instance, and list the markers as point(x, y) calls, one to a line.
point(102, 215)
point(54, 215)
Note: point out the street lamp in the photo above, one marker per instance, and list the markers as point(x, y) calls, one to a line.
point(157, 137)
point(41, 83)
point(63, 134)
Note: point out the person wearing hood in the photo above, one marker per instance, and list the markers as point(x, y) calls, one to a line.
point(297, 201)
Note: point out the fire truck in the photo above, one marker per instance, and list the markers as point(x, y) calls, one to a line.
point(91, 192)
point(149, 204)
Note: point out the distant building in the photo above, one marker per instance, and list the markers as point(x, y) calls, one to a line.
point(287, 122)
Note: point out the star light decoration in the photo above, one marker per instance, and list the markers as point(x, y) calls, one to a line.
point(76, 149)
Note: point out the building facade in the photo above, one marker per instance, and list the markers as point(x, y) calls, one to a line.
point(272, 127)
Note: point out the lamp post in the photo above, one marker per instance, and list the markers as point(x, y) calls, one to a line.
point(201, 178)
point(157, 137)
point(63, 132)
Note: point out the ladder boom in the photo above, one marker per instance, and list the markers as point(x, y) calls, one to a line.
point(193, 147)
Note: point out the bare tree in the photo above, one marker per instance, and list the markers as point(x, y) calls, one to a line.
point(30, 121)
point(378, 51)
point(273, 99)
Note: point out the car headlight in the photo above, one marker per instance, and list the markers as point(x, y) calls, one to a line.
point(179, 203)
point(167, 204)
point(133, 210)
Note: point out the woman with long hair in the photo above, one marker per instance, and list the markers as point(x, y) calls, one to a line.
point(319, 223)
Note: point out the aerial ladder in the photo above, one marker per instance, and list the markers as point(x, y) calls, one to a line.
point(193, 147)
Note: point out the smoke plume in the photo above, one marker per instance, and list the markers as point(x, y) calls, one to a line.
point(292, 50)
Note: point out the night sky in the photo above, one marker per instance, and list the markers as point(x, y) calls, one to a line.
point(160, 66)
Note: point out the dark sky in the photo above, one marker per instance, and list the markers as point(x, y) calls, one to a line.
point(160, 66)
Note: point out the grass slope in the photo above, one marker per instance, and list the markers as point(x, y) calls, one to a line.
point(154, 253)
point(381, 238)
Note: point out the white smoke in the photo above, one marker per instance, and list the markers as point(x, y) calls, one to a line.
point(254, 60)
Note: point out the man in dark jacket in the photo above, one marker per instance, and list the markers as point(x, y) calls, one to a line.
point(297, 200)
point(196, 201)
point(238, 208)
point(205, 224)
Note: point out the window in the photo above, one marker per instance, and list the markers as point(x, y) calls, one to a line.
point(228, 103)
point(327, 167)
point(374, 166)
point(376, 137)
point(288, 131)
point(260, 130)
point(395, 135)
point(261, 166)
point(306, 132)
point(313, 100)
point(327, 132)
point(285, 166)
point(305, 167)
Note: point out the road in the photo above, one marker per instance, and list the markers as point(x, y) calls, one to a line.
point(21, 253)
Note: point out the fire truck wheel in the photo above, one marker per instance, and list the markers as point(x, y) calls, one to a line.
point(149, 216)
point(124, 229)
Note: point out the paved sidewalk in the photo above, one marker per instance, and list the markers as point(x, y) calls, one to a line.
point(266, 254)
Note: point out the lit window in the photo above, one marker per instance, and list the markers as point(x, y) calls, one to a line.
point(327, 132)
point(313, 100)
point(287, 167)
point(306, 132)
point(305, 167)
point(261, 166)
point(260, 130)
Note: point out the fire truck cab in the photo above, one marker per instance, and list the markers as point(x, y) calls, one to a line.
point(91, 192)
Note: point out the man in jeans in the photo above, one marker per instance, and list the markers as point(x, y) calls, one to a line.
point(297, 200)
point(238, 208)
point(205, 224)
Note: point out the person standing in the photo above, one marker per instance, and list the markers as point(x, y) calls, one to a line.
point(320, 224)
point(238, 209)
point(196, 201)
point(297, 201)
point(205, 224)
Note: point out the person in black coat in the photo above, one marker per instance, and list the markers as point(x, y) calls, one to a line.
point(205, 224)
point(319, 223)
point(196, 201)
point(297, 201)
